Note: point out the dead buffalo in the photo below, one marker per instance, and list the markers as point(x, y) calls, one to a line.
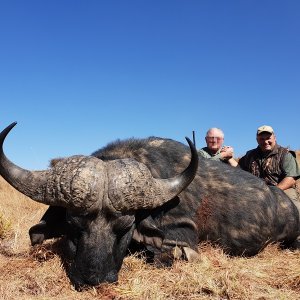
point(94, 203)
point(224, 205)
point(106, 203)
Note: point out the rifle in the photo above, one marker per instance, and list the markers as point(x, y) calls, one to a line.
point(194, 140)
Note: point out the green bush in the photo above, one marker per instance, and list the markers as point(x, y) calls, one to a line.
point(5, 226)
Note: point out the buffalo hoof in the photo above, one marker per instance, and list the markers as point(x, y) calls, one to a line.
point(37, 233)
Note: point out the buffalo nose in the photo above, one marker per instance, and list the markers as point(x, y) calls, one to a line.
point(111, 277)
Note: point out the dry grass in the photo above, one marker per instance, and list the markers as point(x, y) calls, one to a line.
point(38, 273)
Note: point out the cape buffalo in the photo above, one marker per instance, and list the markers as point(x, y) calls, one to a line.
point(94, 203)
point(106, 203)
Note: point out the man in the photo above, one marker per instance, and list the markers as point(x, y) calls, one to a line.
point(274, 164)
point(215, 149)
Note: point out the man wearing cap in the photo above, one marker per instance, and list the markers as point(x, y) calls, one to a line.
point(276, 165)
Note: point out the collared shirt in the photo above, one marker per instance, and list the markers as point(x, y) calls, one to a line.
point(206, 153)
point(272, 166)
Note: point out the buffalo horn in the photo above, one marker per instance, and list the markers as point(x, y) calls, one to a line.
point(29, 183)
point(132, 187)
point(80, 182)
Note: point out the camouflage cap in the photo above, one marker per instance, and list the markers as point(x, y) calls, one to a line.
point(264, 128)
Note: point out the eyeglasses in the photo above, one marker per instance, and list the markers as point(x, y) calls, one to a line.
point(214, 138)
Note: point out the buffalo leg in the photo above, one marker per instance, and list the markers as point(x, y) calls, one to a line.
point(51, 225)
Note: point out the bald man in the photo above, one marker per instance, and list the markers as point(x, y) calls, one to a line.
point(214, 147)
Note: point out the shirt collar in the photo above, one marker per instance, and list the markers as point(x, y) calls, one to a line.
point(212, 154)
point(267, 154)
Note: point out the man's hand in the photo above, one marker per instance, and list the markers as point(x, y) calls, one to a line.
point(226, 152)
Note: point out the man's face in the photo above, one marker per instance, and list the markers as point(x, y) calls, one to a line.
point(266, 141)
point(214, 141)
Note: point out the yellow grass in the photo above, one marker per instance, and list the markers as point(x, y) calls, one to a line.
point(38, 273)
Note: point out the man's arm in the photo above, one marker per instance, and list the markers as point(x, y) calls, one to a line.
point(291, 171)
point(227, 155)
point(286, 183)
point(232, 162)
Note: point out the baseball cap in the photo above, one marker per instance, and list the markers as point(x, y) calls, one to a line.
point(264, 128)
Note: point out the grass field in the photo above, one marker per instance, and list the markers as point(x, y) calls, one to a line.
point(38, 272)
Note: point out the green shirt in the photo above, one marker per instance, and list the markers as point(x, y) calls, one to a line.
point(205, 152)
point(290, 166)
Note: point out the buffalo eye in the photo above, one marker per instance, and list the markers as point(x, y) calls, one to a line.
point(122, 224)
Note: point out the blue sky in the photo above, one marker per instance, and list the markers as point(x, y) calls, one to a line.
point(76, 75)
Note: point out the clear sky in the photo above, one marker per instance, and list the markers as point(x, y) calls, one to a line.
point(76, 75)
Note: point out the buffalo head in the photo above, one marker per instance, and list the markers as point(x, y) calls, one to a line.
point(99, 199)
